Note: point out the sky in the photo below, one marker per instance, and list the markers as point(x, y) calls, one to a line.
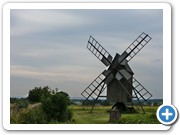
point(48, 47)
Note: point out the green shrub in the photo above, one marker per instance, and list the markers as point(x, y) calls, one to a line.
point(32, 116)
point(22, 103)
point(55, 107)
point(69, 114)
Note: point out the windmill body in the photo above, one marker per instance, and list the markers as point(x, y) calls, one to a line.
point(115, 91)
point(118, 79)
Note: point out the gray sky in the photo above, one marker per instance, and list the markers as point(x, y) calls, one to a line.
point(48, 47)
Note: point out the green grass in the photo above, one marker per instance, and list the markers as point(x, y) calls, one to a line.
point(82, 115)
point(100, 115)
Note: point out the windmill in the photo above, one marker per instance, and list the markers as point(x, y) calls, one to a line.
point(118, 78)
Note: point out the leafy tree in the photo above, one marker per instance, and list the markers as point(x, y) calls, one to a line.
point(55, 107)
point(52, 107)
point(65, 95)
point(36, 94)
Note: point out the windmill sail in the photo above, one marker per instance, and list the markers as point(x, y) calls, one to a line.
point(95, 88)
point(141, 92)
point(99, 51)
point(136, 46)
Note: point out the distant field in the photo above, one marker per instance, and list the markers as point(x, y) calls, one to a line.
point(100, 115)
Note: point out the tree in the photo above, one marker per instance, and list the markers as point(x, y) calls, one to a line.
point(36, 94)
point(55, 107)
point(65, 95)
point(54, 103)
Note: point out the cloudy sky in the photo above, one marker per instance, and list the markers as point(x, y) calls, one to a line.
point(48, 47)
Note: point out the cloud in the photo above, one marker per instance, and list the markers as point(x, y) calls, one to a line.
point(53, 74)
point(34, 21)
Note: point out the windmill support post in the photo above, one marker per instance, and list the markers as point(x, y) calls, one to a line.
point(139, 102)
point(97, 97)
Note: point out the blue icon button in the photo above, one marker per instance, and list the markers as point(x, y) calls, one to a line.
point(167, 114)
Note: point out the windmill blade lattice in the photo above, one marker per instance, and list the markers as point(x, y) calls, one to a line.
point(137, 45)
point(95, 88)
point(99, 51)
point(138, 91)
point(141, 92)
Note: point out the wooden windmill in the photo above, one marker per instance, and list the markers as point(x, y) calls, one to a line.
point(118, 77)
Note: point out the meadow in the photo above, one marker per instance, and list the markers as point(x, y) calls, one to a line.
point(100, 115)
point(46, 106)
point(82, 115)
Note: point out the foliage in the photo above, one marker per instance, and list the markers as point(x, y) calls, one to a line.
point(47, 106)
point(14, 109)
point(36, 94)
point(13, 100)
point(22, 103)
point(69, 114)
point(55, 107)
point(33, 116)
point(65, 95)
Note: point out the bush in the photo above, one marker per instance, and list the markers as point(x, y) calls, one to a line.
point(22, 103)
point(33, 116)
point(55, 107)
point(69, 114)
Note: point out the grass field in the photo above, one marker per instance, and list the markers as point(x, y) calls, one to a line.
point(100, 115)
point(82, 115)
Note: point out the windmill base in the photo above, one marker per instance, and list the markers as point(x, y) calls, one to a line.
point(122, 108)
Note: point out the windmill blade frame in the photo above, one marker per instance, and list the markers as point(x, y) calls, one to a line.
point(99, 51)
point(137, 45)
point(97, 86)
point(141, 90)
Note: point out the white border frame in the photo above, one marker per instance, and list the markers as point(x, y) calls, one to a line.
point(6, 64)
